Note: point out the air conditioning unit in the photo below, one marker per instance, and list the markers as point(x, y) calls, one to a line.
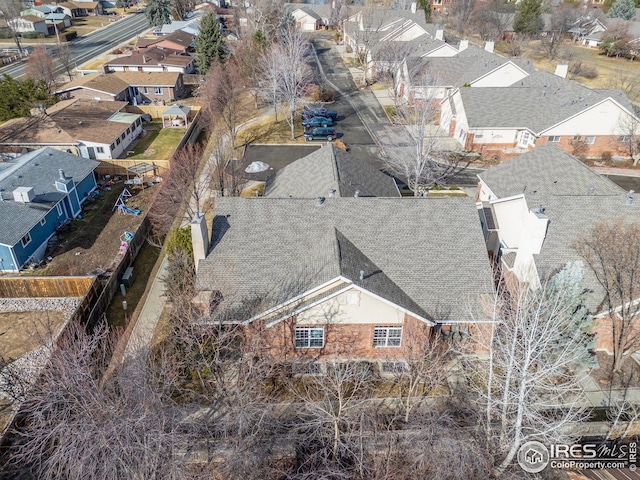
point(24, 194)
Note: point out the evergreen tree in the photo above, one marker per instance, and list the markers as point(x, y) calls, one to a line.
point(528, 18)
point(210, 46)
point(158, 12)
point(424, 5)
point(625, 9)
point(19, 96)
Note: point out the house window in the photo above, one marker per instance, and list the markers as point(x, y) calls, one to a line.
point(308, 368)
point(59, 208)
point(43, 221)
point(309, 337)
point(624, 138)
point(524, 139)
point(123, 135)
point(100, 149)
point(577, 138)
point(157, 90)
point(113, 146)
point(387, 336)
point(590, 140)
point(26, 240)
point(117, 141)
point(128, 130)
point(145, 90)
point(554, 139)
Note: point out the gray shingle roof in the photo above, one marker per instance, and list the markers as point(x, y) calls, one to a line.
point(549, 171)
point(37, 169)
point(538, 102)
point(330, 168)
point(425, 254)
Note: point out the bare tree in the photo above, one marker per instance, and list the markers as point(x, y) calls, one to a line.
point(365, 34)
point(621, 80)
point(181, 8)
point(221, 98)
point(561, 21)
point(40, 67)
point(528, 379)
point(69, 428)
point(287, 73)
point(64, 55)
point(389, 58)
point(248, 55)
point(9, 12)
point(629, 140)
point(612, 251)
point(186, 186)
point(265, 17)
point(461, 16)
point(425, 162)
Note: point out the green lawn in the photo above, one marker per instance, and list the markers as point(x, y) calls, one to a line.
point(158, 144)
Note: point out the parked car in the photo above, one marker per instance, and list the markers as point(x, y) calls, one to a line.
point(110, 13)
point(316, 122)
point(319, 112)
point(146, 117)
point(320, 133)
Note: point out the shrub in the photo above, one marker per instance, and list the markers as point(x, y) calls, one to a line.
point(32, 35)
point(606, 156)
point(328, 96)
point(70, 35)
point(180, 239)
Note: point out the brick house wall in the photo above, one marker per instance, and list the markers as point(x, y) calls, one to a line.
point(341, 341)
point(578, 145)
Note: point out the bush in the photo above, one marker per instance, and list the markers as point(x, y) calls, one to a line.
point(70, 35)
point(606, 156)
point(328, 96)
point(180, 239)
point(580, 69)
point(32, 35)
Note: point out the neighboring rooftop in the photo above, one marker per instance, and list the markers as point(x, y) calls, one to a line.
point(547, 171)
point(330, 169)
point(39, 170)
point(151, 56)
point(431, 250)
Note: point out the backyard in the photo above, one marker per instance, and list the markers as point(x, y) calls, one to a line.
point(158, 143)
point(93, 241)
point(266, 130)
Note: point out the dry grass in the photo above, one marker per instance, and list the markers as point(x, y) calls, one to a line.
point(608, 68)
point(23, 332)
point(267, 130)
point(85, 25)
point(251, 191)
point(93, 64)
point(158, 144)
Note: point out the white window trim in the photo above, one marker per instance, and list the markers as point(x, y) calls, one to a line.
point(59, 208)
point(386, 337)
point(590, 137)
point(43, 221)
point(157, 90)
point(554, 138)
point(307, 339)
point(521, 141)
point(22, 241)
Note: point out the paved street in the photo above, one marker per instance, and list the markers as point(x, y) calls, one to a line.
point(86, 48)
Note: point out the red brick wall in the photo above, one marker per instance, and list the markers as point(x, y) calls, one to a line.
point(340, 340)
point(602, 144)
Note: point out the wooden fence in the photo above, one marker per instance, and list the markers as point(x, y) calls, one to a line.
point(119, 167)
point(112, 286)
point(20, 287)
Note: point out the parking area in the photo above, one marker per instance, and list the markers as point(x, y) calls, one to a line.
point(276, 156)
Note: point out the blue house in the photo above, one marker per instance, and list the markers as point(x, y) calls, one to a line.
point(39, 191)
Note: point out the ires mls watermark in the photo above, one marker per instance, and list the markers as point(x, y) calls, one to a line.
point(534, 456)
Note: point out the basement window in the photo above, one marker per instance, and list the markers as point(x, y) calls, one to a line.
point(308, 368)
point(393, 368)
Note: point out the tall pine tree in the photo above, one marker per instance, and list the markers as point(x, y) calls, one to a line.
point(528, 18)
point(158, 12)
point(210, 46)
point(625, 9)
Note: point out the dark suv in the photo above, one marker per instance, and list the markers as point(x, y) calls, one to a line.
point(320, 133)
point(316, 122)
point(320, 112)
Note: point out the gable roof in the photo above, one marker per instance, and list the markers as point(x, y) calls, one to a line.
point(37, 169)
point(275, 249)
point(537, 102)
point(159, 79)
point(179, 37)
point(111, 84)
point(549, 171)
point(152, 56)
point(67, 122)
point(330, 168)
point(465, 67)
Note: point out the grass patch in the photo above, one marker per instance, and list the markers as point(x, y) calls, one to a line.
point(92, 65)
point(85, 25)
point(268, 131)
point(158, 144)
point(251, 191)
point(142, 267)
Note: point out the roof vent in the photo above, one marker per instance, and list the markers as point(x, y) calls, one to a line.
point(361, 275)
point(61, 173)
point(592, 190)
point(319, 200)
point(24, 194)
point(332, 193)
point(630, 197)
point(356, 194)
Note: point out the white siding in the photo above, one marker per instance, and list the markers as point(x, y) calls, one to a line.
point(503, 76)
point(443, 51)
point(606, 118)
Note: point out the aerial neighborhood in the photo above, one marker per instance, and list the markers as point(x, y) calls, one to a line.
point(328, 240)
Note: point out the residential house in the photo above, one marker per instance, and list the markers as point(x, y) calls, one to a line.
point(40, 191)
point(81, 9)
point(178, 41)
point(432, 78)
point(29, 23)
point(355, 272)
point(309, 16)
point(330, 172)
point(314, 278)
point(135, 87)
point(91, 129)
point(616, 27)
point(191, 26)
point(534, 208)
point(543, 107)
point(52, 14)
point(152, 59)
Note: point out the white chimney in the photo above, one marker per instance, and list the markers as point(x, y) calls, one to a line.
point(199, 238)
point(24, 194)
point(464, 44)
point(440, 34)
point(489, 46)
point(562, 70)
point(414, 7)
